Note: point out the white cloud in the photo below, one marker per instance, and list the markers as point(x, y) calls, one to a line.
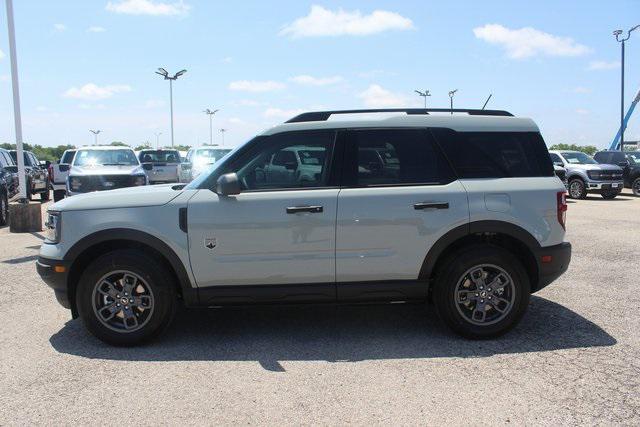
point(321, 22)
point(256, 86)
point(528, 42)
point(41, 108)
point(148, 7)
point(248, 103)
point(2, 55)
point(282, 114)
point(5, 77)
point(582, 111)
point(604, 65)
point(378, 97)
point(93, 92)
point(227, 60)
point(59, 27)
point(91, 106)
point(316, 81)
point(236, 120)
point(581, 89)
point(154, 103)
point(96, 29)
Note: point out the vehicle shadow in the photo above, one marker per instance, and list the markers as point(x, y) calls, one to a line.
point(335, 333)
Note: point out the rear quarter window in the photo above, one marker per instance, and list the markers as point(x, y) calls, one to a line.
point(495, 154)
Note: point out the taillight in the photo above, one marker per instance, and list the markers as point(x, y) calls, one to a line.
point(51, 173)
point(561, 198)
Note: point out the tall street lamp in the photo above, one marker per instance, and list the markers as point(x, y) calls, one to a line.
point(424, 95)
point(164, 73)
point(451, 95)
point(222, 131)
point(618, 33)
point(95, 135)
point(210, 113)
point(157, 134)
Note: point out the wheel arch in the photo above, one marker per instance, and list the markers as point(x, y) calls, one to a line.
point(104, 241)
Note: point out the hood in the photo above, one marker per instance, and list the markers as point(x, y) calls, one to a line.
point(596, 167)
point(106, 170)
point(131, 197)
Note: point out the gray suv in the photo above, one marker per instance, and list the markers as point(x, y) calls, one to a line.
point(585, 175)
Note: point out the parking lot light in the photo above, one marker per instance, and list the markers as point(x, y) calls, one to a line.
point(622, 40)
point(165, 74)
point(222, 131)
point(451, 95)
point(424, 94)
point(95, 135)
point(210, 113)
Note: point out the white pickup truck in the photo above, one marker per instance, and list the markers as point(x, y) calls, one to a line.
point(59, 172)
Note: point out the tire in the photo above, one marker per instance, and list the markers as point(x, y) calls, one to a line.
point(610, 194)
point(29, 193)
point(45, 196)
point(152, 288)
point(577, 189)
point(58, 195)
point(463, 317)
point(635, 186)
point(4, 209)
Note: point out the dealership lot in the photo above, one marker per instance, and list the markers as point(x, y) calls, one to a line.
point(574, 358)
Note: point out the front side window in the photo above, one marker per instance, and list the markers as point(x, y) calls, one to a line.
point(124, 157)
point(578, 158)
point(67, 157)
point(276, 163)
point(556, 159)
point(3, 160)
point(388, 157)
point(159, 156)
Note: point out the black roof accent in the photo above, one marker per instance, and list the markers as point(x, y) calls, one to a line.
point(321, 116)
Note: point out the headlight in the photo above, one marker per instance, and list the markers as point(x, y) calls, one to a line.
point(594, 174)
point(140, 180)
point(75, 183)
point(52, 227)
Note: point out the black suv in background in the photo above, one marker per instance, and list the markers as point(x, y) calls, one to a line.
point(37, 175)
point(8, 184)
point(629, 162)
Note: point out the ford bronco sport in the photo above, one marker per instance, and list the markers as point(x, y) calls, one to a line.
point(463, 211)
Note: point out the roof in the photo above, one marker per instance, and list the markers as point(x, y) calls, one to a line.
point(458, 122)
point(104, 147)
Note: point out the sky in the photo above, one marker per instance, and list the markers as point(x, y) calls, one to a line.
point(91, 64)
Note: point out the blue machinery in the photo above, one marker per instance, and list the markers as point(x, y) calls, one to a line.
point(615, 145)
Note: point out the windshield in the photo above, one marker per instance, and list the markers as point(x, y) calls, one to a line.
point(211, 154)
point(200, 179)
point(577, 158)
point(311, 157)
point(124, 157)
point(634, 157)
point(160, 156)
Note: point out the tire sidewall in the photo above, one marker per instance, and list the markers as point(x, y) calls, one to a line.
point(157, 278)
point(635, 186)
point(4, 205)
point(444, 290)
point(583, 192)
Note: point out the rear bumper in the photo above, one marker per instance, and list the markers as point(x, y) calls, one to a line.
point(55, 280)
point(552, 261)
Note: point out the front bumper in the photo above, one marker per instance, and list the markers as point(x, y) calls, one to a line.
point(552, 261)
point(54, 273)
point(604, 185)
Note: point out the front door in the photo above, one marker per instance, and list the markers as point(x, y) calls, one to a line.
point(278, 230)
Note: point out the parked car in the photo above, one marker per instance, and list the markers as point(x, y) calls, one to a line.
point(8, 184)
point(202, 158)
point(166, 165)
point(585, 175)
point(59, 172)
point(37, 175)
point(437, 226)
point(562, 174)
point(104, 168)
point(629, 162)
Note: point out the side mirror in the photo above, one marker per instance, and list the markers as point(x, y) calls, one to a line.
point(560, 164)
point(63, 167)
point(228, 185)
point(147, 166)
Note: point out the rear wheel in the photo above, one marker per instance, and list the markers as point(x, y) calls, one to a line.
point(4, 209)
point(126, 297)
point(58, 195)
point(577, 189)
point(482, 292)
point(45, 196)
point(29, 193)
point(635, 186)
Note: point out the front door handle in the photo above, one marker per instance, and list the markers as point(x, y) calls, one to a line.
point(431, 205)
point(298, 209)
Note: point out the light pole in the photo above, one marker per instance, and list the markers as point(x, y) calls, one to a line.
point(222, 131)
point(157, 134)
point(622, 40)
point(451, 94)
point(95, 135)
point(210, 113)
point(424, 95)
point(164, 73)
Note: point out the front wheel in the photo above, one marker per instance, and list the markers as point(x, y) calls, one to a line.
point(126, 297)
point(635, 187)
point(577, 189)
point(4, 209)
point(482, 292)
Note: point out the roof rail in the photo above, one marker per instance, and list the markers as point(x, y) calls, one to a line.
point(321, 116)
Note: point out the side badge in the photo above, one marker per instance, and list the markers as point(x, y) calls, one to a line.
point(210, 243)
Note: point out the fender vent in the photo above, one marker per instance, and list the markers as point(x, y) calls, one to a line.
point(182, 219)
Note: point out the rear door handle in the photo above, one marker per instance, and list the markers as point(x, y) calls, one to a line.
point(431, 205)
point(311, 209)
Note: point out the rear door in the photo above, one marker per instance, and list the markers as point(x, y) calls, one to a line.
point(398, 197)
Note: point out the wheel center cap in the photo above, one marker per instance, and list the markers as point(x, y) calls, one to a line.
point(483, 294)
point(124, 301)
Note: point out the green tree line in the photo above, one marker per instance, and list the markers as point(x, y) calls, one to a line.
point(589, 149)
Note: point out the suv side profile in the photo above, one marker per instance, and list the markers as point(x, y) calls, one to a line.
point(585, 175)
point(8, 184)
point(420, 220)
point(629, 162)
point(36, 174)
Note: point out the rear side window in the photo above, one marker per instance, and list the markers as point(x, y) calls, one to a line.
point(388, 157)
point(495, 154)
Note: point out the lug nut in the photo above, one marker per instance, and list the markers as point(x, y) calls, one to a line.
point(117, 305)
point(117, 296)
point(131, 301)
point(481, 300)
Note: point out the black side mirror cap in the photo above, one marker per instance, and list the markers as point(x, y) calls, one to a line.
point(147, 166)
point(63, 167)
point(228, 185)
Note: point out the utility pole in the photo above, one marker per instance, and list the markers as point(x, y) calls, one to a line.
point(22, 182)
point(164, 73)
point(451, 95)
point(210, 113)
point(622, 40)
point(424, 94)
point(157, 134)
point(222, 131)
point(95, 135)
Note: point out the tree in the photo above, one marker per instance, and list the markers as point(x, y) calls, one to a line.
point(118, 144)
point(182, 147)
point(589, 149)
point(42, 153)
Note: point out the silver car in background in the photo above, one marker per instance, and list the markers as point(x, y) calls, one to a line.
point(165, 165)
point(202, 158)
